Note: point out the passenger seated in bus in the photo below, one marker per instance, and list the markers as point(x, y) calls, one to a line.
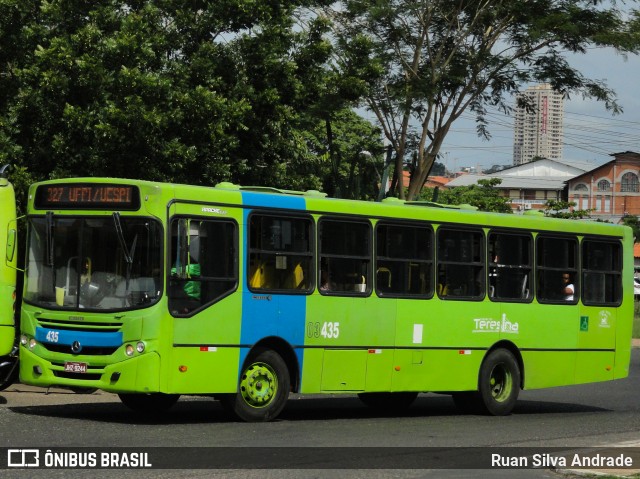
point(325, 281)
point(568, 288)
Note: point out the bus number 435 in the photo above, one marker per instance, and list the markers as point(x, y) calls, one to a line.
point(52, 336)
point(328, 330)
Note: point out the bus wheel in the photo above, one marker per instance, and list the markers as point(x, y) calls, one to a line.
point(388, 401)
point(149, 403)
point(263, 390)
point(499, 383)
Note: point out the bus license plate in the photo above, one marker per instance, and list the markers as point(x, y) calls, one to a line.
point(74, 367)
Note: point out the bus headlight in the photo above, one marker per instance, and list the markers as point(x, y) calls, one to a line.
point(23, 340)
point(32, 343)
point(128, 350)
point(140, 347)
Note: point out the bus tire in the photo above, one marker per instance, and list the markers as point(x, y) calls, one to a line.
point(263, 388)
point(388, 402)
point(149, 403)
point(499, 383)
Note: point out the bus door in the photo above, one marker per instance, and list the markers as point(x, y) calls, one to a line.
point(203, 275)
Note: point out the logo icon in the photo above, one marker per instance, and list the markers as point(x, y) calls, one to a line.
point(76, 347)
point(584, 323)
point(605, 319)
point(23, 458)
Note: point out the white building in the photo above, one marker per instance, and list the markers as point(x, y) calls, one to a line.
point(530, 185)
point(539, 133)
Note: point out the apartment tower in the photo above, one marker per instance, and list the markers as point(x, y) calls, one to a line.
point(538, 133)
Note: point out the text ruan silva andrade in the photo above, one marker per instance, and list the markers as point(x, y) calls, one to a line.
point(549, 460)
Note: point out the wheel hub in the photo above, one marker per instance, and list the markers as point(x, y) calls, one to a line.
point(259, 385)
point(501, 383)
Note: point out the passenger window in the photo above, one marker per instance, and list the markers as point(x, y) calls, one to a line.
point(203, 263)
point(280, 254)
point(557, 267)
point(460, 264)
point(345, 257)
point(510, 267)
point(601, 273)
point(404, 260)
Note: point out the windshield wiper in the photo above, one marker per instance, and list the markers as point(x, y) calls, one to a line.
point(128, 255)
point(123, 244)
point(50, 246)
point(49, 235)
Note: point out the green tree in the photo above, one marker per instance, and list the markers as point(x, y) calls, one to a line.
point(350, 162)
point(565, 209)
point(633, 222)
point(424, 63)
point(484, 195)
point(196, 92)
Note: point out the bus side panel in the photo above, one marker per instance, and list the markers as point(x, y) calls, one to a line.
point(441, 343)
point(7, 322)
point(202, 343)
point(436, 370)
point(270, 315)
point(593, 366)
point(596, 341)
point(545, 369)
point(548, 340)
point(207, 370)
point(355, 333)
point(7, 271)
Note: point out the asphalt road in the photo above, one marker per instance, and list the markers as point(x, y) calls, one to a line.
point(594, 415)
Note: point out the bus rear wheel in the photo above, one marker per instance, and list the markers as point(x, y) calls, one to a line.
point(149, 403)
point(263, 389)
point(388, 402)
point(499, 383)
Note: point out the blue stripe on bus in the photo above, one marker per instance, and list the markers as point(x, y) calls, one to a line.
point(250, 198)
point(271, 315)
point(85, 338)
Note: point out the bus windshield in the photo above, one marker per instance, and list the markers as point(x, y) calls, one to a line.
point(100, 263)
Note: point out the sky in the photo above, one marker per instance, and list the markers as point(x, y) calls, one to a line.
point(591, 133)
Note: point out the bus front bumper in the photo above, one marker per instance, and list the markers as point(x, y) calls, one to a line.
point(138, 374)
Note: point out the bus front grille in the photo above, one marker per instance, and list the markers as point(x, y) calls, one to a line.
point(79, 325)
point(86, 350)
point(82, 376)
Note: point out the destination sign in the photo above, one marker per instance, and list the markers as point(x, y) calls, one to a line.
point(84, 196)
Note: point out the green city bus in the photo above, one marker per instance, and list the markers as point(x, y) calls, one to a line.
point(8, 272)
point(247, 294)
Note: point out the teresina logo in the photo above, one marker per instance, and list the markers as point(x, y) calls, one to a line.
point(488, 325)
